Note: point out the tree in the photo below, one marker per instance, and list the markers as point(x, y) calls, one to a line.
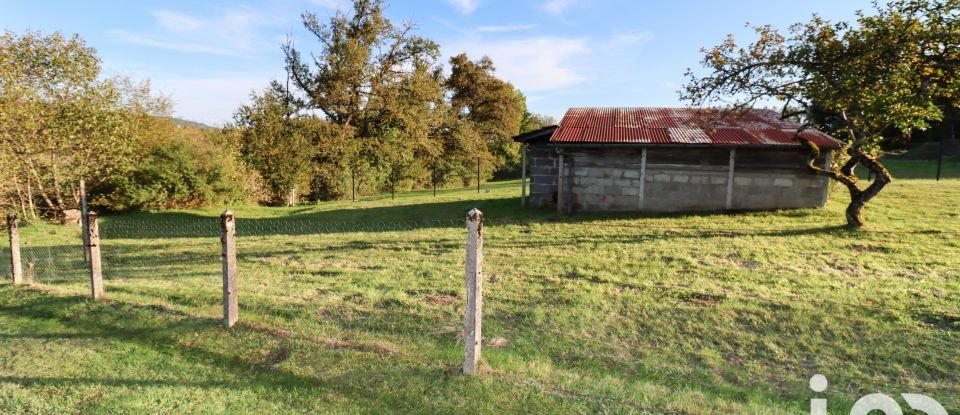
point(494, 106)
point(891, 70)
point(60, 122)
point(275, 143)
point(363, 61)
point(177, 167)
point(532, 122)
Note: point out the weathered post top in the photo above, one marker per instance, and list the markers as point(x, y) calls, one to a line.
point(475, 215)
point(227, 221)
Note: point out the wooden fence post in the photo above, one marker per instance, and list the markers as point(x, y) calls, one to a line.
point(93, 246)
point(16, 266)
point(228, 240)
point(474, 315)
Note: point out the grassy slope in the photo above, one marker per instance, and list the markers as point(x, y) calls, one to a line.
point(619, 314)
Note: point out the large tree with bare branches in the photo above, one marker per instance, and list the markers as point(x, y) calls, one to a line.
point(897, 68)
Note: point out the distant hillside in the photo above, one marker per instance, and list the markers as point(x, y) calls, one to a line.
point(188, 123)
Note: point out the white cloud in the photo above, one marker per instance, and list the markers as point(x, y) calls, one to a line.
point(629, 39)
point(531, 64)
point(465, 6)
point(232, 32)
point(180, 46)
point(557, 6)
point(178, 22)
point(505, 28)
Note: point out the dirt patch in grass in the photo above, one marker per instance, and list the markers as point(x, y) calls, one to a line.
point(498, 342)
point(355, 298)
point(702, 299)
point(378, 347)
point(941, 321)
point(863, 248)
point(276, 357)
point(442, 299)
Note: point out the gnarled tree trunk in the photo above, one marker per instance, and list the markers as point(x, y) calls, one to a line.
point(858, 197)
point(847, 176)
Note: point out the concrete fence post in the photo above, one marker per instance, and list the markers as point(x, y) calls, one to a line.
point(474, 314)
point(93, 246)
point(16, 267)
point(228, 256)
point(84, 221)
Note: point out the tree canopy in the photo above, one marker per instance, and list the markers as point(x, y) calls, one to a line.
point(369, 108)
point(59, 121)
point(896, 69)
point(398, 120)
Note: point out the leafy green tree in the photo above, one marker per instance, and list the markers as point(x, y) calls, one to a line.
point(177, 167)
point(353, 80)
point(274, 142)
point(59, 120)
point(894, 69)
point(494, 106)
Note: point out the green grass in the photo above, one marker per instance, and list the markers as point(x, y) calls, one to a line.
point(357, 307)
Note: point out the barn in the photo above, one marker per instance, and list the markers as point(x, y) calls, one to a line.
point(671, 160)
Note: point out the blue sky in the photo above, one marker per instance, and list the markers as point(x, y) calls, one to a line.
point(209, 55)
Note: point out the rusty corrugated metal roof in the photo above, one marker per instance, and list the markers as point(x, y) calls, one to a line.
point(681, 126)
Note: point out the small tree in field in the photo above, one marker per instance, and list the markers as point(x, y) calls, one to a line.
point(898, 69)
point(275, 143)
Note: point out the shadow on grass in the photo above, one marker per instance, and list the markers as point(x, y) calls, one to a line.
point(369, 219)
point(436, 215)
point(179, 259)
point(137, 324)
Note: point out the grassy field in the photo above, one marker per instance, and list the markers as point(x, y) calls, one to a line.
point(357, 308)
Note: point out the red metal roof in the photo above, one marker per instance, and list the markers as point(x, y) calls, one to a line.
point(682, 126)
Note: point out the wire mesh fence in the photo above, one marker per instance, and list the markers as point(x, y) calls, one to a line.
point(402, 277)
point(48, 263)
point(139, 248)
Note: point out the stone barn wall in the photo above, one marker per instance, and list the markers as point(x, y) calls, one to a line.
point(676, 179)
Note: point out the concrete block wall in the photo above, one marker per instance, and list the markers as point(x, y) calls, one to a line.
point(777, 190)
point(677, 179)
point(543, 168)
point(672, 188)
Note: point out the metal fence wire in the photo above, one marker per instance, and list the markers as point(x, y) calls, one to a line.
point(161, 248)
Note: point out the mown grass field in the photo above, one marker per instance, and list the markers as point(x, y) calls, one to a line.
point(357, 308)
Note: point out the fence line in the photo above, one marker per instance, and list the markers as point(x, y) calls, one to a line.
point(71, 258)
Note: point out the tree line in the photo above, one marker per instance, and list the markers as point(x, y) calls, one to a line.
point(372, 110)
